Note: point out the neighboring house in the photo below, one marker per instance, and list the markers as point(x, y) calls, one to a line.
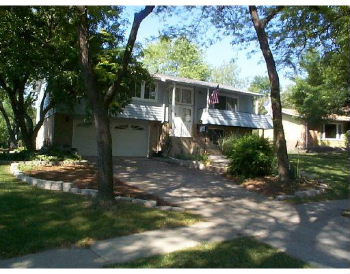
point(330, 133)
point(172, 114)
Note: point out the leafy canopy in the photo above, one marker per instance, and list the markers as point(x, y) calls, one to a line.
point(177, 57)
point(322, 92)
point(227, 74)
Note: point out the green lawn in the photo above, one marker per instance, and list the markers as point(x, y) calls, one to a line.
point(239, 253)
point(33, 219)
point(332, 168)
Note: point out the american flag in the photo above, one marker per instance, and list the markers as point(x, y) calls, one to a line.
point(214, 97)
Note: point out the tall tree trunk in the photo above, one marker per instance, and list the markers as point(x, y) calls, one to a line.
point(100, 111)
point(99, 102)
point(10, 130)
point(20, 115)
point(279, 138)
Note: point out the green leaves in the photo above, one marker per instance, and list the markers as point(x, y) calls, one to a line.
point(178, 57)
point(323, 91)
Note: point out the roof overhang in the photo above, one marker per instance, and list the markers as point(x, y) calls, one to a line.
point(203, 84)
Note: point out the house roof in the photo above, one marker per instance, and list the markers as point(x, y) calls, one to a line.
point(237, 119)
point(204, 84)
point(334, 117)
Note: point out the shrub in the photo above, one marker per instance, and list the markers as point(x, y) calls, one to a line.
point(347, 139)
point(250, 155)
point(45, 154)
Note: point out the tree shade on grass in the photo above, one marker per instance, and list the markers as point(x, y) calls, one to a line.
point(332, 168)
point(33, 220)
point(242, 252)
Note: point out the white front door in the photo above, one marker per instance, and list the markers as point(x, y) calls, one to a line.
point(183, 121)
point(182, 112)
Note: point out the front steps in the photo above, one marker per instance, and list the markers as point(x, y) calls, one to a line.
point(218, 164)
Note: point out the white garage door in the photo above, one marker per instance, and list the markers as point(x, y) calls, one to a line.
point(130, 138)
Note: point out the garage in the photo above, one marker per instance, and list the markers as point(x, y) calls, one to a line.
point(130, 138)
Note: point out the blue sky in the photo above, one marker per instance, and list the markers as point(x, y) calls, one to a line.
point(215, 54)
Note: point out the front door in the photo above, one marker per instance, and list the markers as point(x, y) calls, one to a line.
point(183, 112)
point(183, 121)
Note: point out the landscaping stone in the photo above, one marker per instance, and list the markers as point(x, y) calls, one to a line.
point(307, 193)
point(178, 209)
point(66, 187)
point(284, 197)
point(27, 179)
point(56, 186)
point(89, 192)
point(75, 190)
point(120, 198)
point(40, 183)
point(164, 207)
point(35, 181)
point(323, 186)
point(47, 185)
point(146, 203)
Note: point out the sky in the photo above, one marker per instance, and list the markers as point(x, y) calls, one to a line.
point(215, 54)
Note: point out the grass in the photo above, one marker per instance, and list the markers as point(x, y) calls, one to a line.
point(242, 252)
point(33, 220)
point(332, 168)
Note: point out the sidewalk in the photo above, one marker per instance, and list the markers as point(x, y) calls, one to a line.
point(314, 232)
point(122, 249)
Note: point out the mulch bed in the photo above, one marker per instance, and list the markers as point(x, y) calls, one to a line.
point(85, 176)
point(271, 186)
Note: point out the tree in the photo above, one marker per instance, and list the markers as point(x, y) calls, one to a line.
point(8, 127)
point(177, 57)
point(261, 84)
point(278, 132)
point(322, 92)
point(226, 74)
point(35, 46)
point(92, 41)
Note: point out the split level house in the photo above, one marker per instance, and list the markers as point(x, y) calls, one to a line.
point(170, 114)
point(298, 134)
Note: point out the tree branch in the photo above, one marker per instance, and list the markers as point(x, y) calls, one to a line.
point(138, 18)
point(42, 115)
point(271, 15)
point(3, 83)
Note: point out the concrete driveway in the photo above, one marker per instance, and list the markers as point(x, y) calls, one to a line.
point(315, 232)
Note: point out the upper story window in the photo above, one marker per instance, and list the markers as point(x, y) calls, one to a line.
point(145, 91)
point(182, 95)
point(227, 103)
point(332, 131)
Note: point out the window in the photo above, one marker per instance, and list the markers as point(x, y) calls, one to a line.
point(177, 95)
point(231, 104)
point(332, 131)
point(227, 103)
point(182, 96)
point(186, 97)
point(146, 91)
point(150, 91)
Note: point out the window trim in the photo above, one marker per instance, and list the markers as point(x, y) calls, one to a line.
point(237, 105)
point(339, 131)
point(229, 96)
point(180, 103)
point(142, 98)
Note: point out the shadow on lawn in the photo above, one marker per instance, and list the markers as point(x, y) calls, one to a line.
point(34, 219)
